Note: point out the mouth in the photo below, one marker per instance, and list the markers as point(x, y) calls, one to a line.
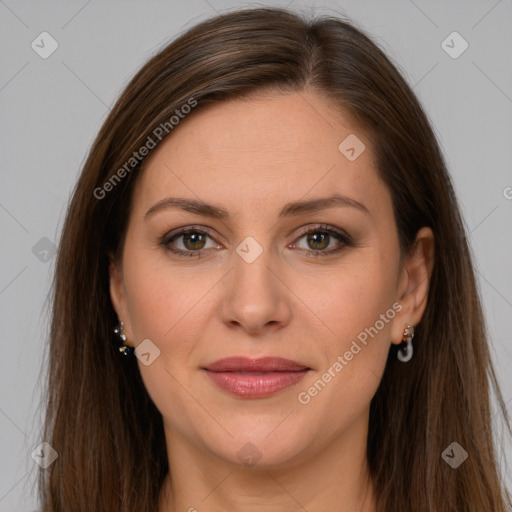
point(255, 378)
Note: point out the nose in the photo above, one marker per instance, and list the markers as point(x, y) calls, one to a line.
point(256, 297)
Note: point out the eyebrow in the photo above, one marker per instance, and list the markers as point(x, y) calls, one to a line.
point(291, 209)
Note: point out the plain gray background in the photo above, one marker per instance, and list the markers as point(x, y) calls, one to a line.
point(52, 108)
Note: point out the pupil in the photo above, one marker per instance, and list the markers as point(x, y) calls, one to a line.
point(193, 239)
point(320, 238)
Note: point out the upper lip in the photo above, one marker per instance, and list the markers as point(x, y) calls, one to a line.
point(263, 364)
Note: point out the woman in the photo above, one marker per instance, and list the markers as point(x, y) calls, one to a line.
point(267, 219)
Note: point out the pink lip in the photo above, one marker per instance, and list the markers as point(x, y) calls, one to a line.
point(255, 378)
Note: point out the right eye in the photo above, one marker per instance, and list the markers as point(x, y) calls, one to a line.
point(193, 242)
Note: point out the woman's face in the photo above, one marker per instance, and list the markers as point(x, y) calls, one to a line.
point(292, 253)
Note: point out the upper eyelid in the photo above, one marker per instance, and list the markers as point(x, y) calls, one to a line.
point(322, 227)
point(176, 233)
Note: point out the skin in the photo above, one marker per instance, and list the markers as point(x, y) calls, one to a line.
point(251, 157)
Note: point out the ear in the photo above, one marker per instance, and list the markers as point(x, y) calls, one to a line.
point(414, 283)
point(118, 294)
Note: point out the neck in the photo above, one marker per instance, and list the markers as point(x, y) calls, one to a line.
point(335, 478)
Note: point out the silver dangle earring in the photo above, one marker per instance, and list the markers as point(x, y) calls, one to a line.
point(405, 350)
point(126, 350)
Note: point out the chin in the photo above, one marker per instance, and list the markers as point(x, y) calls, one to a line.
point(260, 447)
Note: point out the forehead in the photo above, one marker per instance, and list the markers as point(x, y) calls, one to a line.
point(255, 154)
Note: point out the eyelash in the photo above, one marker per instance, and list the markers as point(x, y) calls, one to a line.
point(344, 239)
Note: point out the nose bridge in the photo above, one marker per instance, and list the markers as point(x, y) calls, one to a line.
point(256, 297)
point(251, 268)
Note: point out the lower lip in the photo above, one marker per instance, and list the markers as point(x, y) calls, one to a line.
point(253, 384)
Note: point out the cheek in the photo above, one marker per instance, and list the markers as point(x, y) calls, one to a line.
point(161, 310)
point(172, 308)
point(352, 300)
point(356, 312)
point(157, 296)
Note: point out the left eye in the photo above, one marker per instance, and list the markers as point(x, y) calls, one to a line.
point(318, 241)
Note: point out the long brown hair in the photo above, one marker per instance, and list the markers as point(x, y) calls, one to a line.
point(99, 417)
